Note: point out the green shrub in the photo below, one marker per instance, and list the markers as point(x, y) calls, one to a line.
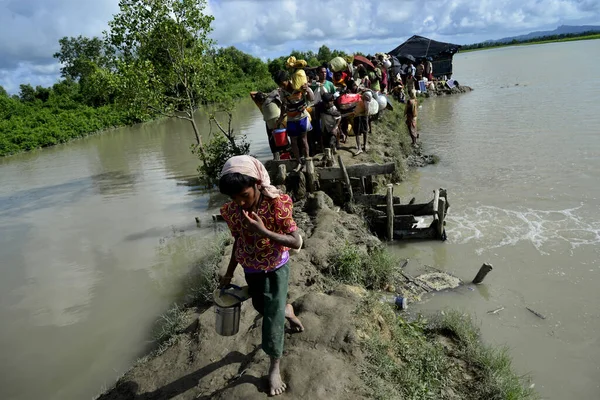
point(444, 359)
point(374, 270)
point(216, 154)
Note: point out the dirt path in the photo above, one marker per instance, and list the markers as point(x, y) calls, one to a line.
point(353, 347)
point(320, 363)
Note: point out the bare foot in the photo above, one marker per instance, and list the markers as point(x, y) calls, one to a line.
point(276, 384)
point(295, 324)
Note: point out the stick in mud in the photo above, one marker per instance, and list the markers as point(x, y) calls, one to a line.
point(496, 311)
point(483, 271)
point(537, 314)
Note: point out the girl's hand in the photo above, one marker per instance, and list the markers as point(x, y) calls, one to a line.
point(224, 281)
point(255, 224)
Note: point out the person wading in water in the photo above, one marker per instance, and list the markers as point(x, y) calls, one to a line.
point(260, 220)
point(410, 113)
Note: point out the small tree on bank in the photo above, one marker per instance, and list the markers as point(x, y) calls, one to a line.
point(164, 57)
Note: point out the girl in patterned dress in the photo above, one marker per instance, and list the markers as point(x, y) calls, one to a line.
point(260, 220)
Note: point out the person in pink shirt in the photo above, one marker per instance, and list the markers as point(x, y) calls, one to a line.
point(261, 222)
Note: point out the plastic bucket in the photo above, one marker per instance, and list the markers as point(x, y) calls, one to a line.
point(280, 137)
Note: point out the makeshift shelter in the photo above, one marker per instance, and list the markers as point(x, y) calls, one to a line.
point(419, 47)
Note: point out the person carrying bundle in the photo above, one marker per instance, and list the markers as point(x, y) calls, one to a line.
point(294, 103)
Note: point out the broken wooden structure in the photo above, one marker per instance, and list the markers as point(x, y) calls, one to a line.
point(389, 218)
point(339, 181)
point(385, 214)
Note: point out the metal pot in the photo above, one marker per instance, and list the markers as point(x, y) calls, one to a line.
point(227, 319)
point(227, 322)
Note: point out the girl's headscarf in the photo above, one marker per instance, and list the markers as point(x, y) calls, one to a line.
point(250, 166)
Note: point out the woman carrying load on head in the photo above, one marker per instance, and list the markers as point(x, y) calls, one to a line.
point(294, 103)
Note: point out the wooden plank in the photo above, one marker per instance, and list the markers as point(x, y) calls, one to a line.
point(356, 171)
point(390, 212)
point(346, 177)
point(410, 209)
point(372, 200)
point(399, 220)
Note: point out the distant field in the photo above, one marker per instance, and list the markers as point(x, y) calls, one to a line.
point(569, 39)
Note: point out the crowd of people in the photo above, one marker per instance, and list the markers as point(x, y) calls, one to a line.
point(320, 107)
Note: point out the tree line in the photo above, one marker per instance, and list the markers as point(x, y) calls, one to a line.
point(155, 59)
point(490, 44)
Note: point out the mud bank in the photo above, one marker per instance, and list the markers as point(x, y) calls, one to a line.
point(348, 330)
point(354, 346)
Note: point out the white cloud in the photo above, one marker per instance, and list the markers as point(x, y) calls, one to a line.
point(30, 29)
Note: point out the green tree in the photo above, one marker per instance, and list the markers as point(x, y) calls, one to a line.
point(26, 93)
point(324, 54)
point(164, 56)
point(3, 92)
point(79, 55)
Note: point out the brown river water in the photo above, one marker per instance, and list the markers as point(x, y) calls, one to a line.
point(98, 234)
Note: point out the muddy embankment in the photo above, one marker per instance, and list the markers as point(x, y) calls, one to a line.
point(354, 346)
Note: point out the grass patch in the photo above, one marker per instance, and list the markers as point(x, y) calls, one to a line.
point(203, 280)
point(407, 360)
point(169, 325)
point(198, 288)
point(491, 365)
point(373, 269)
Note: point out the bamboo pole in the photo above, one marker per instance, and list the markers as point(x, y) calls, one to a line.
point(346, 177)
point(390, 212)
point(311, 176)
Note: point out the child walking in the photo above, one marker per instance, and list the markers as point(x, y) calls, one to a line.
point(260, 220)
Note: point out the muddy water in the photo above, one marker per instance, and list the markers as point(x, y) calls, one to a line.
point(96, 236)
point(520, 157)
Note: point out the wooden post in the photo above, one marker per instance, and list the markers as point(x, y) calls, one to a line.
point(390, 212)
point(483, 271)
point(436, 204)
point(363, 184)
point(328, 158)
point(436, 200)
point(311, 176)
point(369, 184)
point(346, 177)
point(441, 217)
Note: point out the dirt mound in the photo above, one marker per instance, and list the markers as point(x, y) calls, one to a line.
point(319, 363)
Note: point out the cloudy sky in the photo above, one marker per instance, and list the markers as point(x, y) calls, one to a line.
point(30, 29)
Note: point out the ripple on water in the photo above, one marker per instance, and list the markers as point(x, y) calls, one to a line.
point(495, 227)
